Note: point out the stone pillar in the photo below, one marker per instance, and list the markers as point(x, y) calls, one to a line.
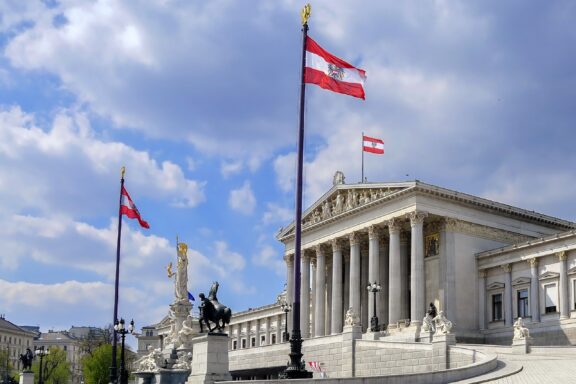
point(534, 291)
point(482, 299)
point(448, 267)
point(384, 276)
point(279, 328)
point(289, 283)
point(320, 292)
point(355, 272)
point(257, 333)
point(239, 336)
point(507, 295)
point(395, 282)
point(328, 309)
point(268, 331)
point(305, 296)
point(209, 359)
point(249, 334)
point(373, 263)
point(337, 287)
point(26, 377)
point(346, 277)
point(404, 275)
point(363, 291)
point(417, 280)
point(313, 297)
point(563, 291)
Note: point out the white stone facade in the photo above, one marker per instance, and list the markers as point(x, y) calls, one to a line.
point(14, 340)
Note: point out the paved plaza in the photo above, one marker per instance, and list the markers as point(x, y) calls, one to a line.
point(530, 369)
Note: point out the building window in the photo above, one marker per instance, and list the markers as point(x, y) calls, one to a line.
point(497, 307)
point(235, 344)
point(243, 343)
point(550, 298)
point(253, 342)
point(262, 340)
point(65, 348)
point(273, 338)
point(522, 299)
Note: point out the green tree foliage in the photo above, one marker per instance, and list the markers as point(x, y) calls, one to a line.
point(96, 366)
point(7, 372)
point(55, 367)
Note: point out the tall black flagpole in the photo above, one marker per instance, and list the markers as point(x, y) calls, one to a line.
point(362, 149)
point(296, 369)
point(113, 369)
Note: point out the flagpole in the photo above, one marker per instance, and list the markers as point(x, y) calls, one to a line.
point(113, 369)
point(295, 369)
point(362, 148)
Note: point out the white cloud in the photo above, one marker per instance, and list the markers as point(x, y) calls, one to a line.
point(242, 200)
point(285, 169)
point(268, 256)
point(229, 168)
point(276, 214)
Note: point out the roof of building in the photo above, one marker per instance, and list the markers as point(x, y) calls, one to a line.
point(7, 325)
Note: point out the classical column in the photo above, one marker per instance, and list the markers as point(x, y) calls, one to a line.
point(289, 283)
point(373, 264)
point(328, 309)
point(363, 284)
point(238, 338)
point(564, 295)
point(417, 279)
point(268, 333)
point(249, 334)
point(482, 299)
point(346, 277)
point(395, 282)
point(337, 287)
point(384, 276)
point(305, 295)
point(355, 272)
point(257, 336)
point(404, 275)
point(313, 297)
point(534, 291)
point(320, 292)
point(507, 294)
point(279, 328)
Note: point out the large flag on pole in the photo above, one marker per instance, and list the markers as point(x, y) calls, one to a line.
point(372, 145)
point(332, 73)
point(128, 208)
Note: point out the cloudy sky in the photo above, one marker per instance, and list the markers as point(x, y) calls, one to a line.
point(199, 100)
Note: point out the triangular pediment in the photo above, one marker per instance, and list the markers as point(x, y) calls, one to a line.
point(549, 275)
point(521, 281)
point(495, 285)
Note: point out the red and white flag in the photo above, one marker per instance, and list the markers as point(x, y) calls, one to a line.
point(315, 366)
point(332, 73)
point(128, 208)
point(372, 145)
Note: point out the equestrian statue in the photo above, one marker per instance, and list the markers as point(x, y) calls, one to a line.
point(212, 311)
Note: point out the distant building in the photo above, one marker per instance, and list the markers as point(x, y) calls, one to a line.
point(69, 344)
point(14, 340)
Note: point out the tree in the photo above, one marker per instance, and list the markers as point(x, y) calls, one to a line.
point(97, 337)
point(6, 368)
point(55, 367)
point(96, 366)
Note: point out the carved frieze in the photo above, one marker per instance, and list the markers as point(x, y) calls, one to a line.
point(464, 227)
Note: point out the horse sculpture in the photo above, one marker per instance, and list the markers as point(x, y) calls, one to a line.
point(213, 311)
point(26, 359)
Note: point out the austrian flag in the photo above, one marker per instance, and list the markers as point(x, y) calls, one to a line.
point(372, 145)
point(128, 208)
point(332, 73)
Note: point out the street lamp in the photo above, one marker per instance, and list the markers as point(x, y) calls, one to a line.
point(119, 328)
point(286, 308)
point(41, 352)
point(374, 288)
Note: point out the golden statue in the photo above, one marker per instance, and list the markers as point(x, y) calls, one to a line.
point(306, 13)
point(169, 270)
point(182, 248)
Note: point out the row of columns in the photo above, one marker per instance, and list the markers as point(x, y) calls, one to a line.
point(268, 331)
point(563, 291)
point(385, 263)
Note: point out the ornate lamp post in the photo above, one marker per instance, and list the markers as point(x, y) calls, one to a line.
point(41, 352)
point(374, 288)
point(119, 328)
point(286, 308)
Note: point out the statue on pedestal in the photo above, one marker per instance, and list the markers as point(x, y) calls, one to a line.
point(428, 323)
point(443, 324)
point(26, 359)
point(181, 280)
point(212, 311)
point(520, 331)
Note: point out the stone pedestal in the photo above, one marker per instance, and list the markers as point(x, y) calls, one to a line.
point(440, 351)
point(521, 346)
point(27, 377)
point(210, 359)
point(349, 334)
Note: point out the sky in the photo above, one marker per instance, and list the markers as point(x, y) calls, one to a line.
point(199, 100)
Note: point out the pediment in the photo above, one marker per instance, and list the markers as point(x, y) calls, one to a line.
point(495, 285)
point(521, 281)
point(549, 275)
point(344, 199)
